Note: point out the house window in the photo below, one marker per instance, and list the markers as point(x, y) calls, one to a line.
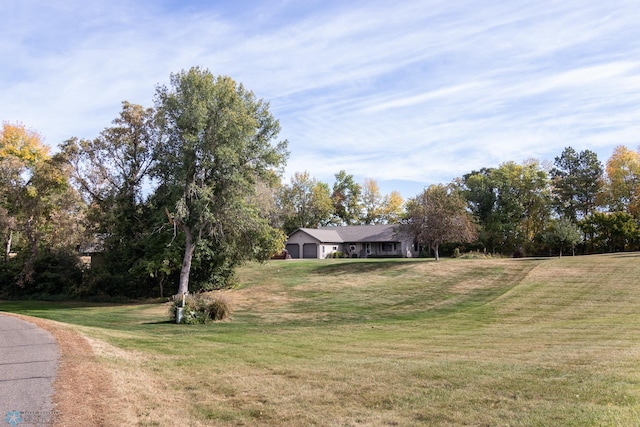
point(388, 247)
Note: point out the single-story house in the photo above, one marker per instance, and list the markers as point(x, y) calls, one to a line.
point(355, 241)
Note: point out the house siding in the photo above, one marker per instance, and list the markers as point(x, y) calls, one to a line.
point(324, 242)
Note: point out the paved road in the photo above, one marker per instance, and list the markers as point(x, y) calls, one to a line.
point(28, 363)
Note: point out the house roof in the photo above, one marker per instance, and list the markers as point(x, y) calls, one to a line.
point(354, 233)
point(322, 235)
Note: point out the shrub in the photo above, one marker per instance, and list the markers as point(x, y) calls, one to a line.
point(218, 308)
point(518, 253)
point(478, 255)
point(201, 308)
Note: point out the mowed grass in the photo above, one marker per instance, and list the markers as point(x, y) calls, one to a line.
point(385, 342)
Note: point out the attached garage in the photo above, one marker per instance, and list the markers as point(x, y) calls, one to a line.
point(310, 250)
point(294, 250)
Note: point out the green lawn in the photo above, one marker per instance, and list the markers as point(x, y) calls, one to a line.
point(386, 342)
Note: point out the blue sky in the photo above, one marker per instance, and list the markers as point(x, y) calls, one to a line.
point(409, 93)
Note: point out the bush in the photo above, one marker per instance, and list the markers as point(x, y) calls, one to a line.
point(477, 255)
point(54, 275)
point(518, 253)
point(201, 308)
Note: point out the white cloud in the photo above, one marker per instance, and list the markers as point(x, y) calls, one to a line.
point(417, 92)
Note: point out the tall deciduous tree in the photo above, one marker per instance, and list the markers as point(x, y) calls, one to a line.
point(379, 209)
point(438, 215)
point(112, 169)
point(612, 231)
point(21, 152)
point(305, 202)
point(35, 198)
point(46, 204)
point(392, 209)
point(371, 202)
point(216, 145)
point(523, 200)
point(623, 181)
point(577, 183)
point(112, 172)
point(18, 142)
point(346, 198)
point(481, 192)
point(511, 203)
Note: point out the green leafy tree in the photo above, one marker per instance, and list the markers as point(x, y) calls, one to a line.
point(563, 233)
point(305, 202)
point(577, 183)
point(162, 257)
point(216, 146)
point(523, 201)
point(346, 197)
point(511, 204)
point(36, 200)
point(111, 171)
point(612, 231)
point(52, 213)
point(481, 192)
point(438, 215)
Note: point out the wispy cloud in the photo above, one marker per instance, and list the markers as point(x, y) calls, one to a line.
point(409, 93)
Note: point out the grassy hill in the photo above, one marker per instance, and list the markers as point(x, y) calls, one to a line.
point(386, 342)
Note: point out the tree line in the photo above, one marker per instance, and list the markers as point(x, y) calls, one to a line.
point(175, 197)
point(573, 204)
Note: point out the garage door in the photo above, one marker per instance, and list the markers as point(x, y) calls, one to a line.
point(310, 250)
point(294, 250)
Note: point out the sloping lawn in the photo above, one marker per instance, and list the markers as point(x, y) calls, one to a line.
point(385, 342)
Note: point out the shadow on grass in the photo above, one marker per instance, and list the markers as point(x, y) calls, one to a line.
point(22, 305)
point(18, 306)
point(366, 266)
point(627, 255)
point(160, 322)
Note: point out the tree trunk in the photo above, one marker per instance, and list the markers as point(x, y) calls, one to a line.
point(436, 253)
point(161, 283)
point(190, 248)
point(7, 249)
point(26, 276)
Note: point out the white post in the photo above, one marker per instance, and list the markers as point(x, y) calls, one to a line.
point(180, 310)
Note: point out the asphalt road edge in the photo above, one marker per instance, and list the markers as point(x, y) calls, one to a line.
point(83, 389)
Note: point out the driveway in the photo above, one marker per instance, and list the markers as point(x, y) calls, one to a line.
point(28, 363)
